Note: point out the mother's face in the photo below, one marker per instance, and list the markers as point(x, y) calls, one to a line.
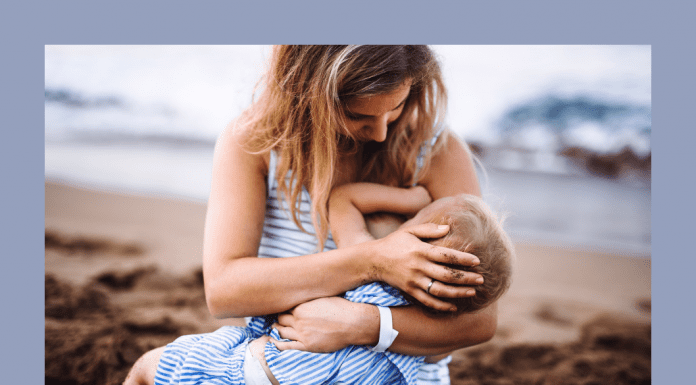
point(368, 118)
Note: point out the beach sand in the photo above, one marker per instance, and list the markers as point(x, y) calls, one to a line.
point(123, 275)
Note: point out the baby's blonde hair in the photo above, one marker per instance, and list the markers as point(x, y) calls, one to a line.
point(300, 115)
point(475, 229)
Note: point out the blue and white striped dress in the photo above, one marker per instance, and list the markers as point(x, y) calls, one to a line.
point(217, 357)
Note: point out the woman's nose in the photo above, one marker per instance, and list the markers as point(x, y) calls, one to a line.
point(379, 130)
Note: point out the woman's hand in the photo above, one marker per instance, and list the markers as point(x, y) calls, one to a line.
point(404, 261)
point(326, 325)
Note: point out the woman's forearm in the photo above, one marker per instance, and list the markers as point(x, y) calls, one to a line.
point(425, 334)
point(258, 286)
point(246, 286)
point(422, 333)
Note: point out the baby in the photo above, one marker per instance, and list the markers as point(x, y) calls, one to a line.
point(247, 356)
point(474, 229)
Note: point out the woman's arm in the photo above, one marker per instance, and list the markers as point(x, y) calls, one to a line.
point(329, 324)
point(239, 284)
point(236, 282)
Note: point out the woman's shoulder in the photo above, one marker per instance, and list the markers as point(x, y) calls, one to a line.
point(238, 142)
point(451, 169)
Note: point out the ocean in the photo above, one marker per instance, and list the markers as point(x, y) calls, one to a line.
point(144, 119)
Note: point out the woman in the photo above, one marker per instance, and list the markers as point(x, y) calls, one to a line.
point(326, 116)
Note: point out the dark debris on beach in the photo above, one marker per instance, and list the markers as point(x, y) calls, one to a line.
point(609, 351)
point(92, 340)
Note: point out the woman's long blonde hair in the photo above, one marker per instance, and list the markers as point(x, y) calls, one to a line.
point(300, 115)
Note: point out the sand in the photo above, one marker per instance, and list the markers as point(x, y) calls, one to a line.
point(123, 275)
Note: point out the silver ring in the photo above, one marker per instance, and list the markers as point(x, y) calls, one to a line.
point(430, 285)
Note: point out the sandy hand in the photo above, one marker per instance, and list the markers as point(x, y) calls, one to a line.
point(404, 261)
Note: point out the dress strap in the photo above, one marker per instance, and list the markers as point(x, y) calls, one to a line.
point(272, 166)
point(424, 148)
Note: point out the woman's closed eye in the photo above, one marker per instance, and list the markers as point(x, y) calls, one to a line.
point(353, 117)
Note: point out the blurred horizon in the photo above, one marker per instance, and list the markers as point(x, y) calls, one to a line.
point(563, 132)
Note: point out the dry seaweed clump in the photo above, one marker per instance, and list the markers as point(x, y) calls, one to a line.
point(90, 246)
point(609, 351)
point(89, 340)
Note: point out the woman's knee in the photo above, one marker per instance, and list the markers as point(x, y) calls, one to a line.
point(145, 368)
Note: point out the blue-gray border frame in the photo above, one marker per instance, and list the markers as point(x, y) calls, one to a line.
point(27, 26)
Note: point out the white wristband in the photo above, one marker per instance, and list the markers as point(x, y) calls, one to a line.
point(387, 334)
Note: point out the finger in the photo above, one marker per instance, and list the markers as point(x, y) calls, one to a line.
point(432, 302)
point(428, 230)
point(285, 319)
point(450, 256)
point(441, 290)
point(288, 345)
point(453, 276)
point(285, 332)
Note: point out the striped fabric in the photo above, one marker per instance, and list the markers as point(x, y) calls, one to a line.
point(217, 358)
point(205, 358)
point(435, 374)
point(352, 365)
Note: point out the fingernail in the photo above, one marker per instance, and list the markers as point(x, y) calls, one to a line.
point(453, 309)
point(479, 280)
point(471, 292)
point(442, 227)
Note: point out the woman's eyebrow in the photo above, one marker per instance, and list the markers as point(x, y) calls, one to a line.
point(357, 116)
point(360, 116)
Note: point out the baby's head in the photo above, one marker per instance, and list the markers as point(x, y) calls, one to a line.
point(474, 229)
